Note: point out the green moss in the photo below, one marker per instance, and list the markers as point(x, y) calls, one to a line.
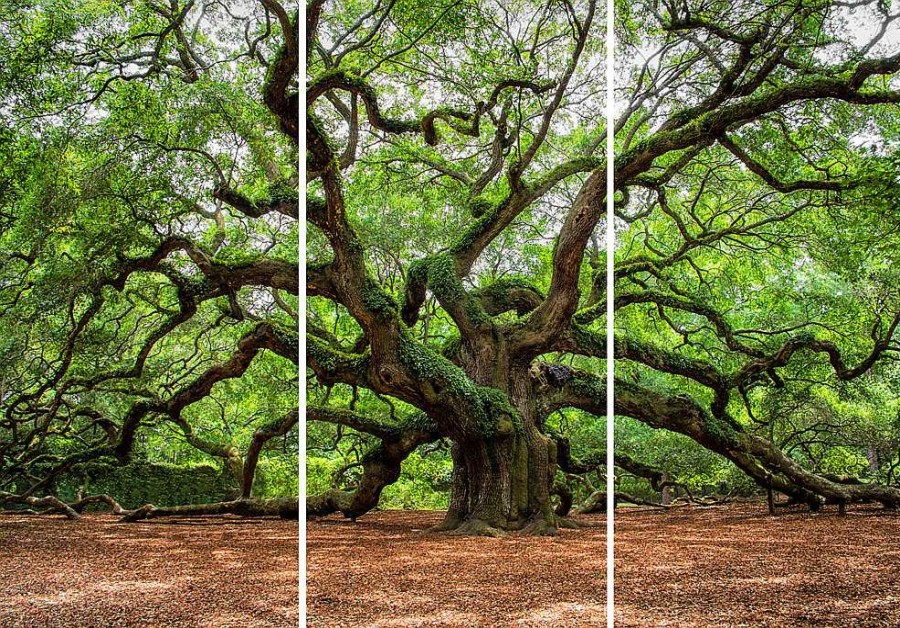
point(285, 335)
point(425, 364)
point(418, 272)
point(443, 280)
point(589, 387)
point(477, 228)
point(501, 417)
point(376, 299)
point(501, 295)
point(478, 206)
point(488, 407)
point(451, 346)
point(569, 168)
point(719, 430)
point(591, 313)
point(420, 421)
point(332, 360)
point(439, 273)
point(588, 341)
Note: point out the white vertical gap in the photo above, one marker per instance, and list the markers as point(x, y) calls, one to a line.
point(610, 339)
point(301, 395)
point(301, 363)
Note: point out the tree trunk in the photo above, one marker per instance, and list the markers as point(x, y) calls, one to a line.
point(502, 482)
point(666, 497)
point(872, 456)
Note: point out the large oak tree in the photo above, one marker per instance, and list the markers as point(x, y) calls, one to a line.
point(457, 199)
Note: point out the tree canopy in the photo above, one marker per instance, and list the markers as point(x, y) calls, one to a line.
point(457, 295)
point(148, 237)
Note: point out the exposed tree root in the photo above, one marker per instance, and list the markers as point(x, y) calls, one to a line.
point(82, 503)
point(540, 526)
point(449, 523)
point(477, 527)
point(285, 507)
point(330, 501)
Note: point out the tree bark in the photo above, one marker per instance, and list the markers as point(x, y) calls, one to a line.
point(666, 497)
point(502, 481)
point(284, 507)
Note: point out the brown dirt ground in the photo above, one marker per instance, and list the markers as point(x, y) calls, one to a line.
point(736, 566)
point(720, 566)
point(384, 570)
point(218, 571)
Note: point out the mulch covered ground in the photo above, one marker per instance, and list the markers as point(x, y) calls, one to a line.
point(96, 572)
point(384, 570)
point(719, 566)
point(736, 566)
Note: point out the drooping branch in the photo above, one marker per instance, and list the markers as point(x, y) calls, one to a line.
point(756, 456)
point(381, 464)
point(261, 436)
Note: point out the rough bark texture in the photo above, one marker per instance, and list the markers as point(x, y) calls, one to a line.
point(502, 479)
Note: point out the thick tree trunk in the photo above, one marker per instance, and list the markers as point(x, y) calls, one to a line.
point(500, 485)
point(503, 482)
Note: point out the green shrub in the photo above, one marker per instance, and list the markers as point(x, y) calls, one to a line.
point(143, 482)
point(319, 472)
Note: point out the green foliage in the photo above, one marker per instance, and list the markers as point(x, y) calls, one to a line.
point(756, 196)
point(424, 484)
point(319, 473)
point(125, 280)
point(277, 476)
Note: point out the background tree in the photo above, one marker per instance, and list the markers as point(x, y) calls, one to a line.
point(148, 239)
point(457, 195)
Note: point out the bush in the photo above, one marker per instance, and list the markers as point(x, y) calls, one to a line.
point(318, 473)
point(143, 482)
